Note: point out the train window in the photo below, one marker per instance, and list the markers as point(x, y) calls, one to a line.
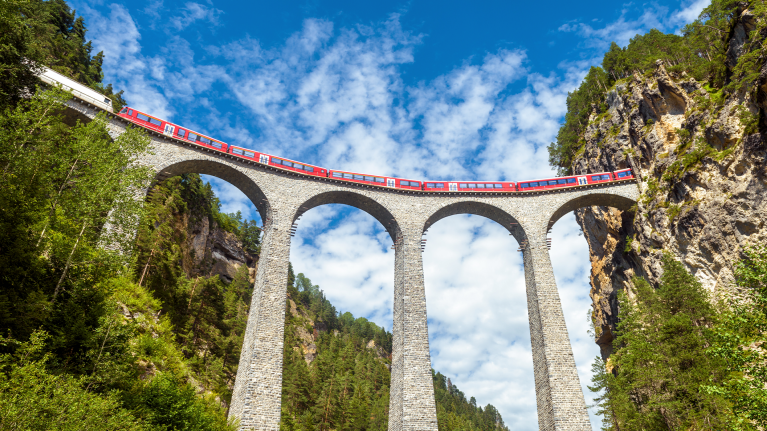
point(124, 110)
point(192, 137)
point(237, 151)
point(533, 184)
point(379, 180)
point(404, 183)
point(368, 178)
point(472, 186)
point(463, 186)
point(605, 177)
point(349, 176)
point(143, 117)
point(203, 139)
point(622, 174)
point(359, 177)
point(249, 154)
point(180, 132)
point(130, 112)
point(498, 186)
point(480, 186)
point(216, 144)
point(561, 181)
point(337, 175)
point(571, 181)
point(308, 169)
point(524, 186)
point(595, 178)
point(155, 121)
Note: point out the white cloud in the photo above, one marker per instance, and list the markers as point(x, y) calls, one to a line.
point(118, 36)
point(192, 12)
point(689, 13)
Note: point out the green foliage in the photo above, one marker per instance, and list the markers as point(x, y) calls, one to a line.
point(347, 384)
point(741, 341)
point(629, 242)
point(33, 398)
point(579, 107)
point(455, 412)
point(169, 404)
point(749, 120)
point(46, 33)
point(208, 315)
point(659, 365)
point(673, 211)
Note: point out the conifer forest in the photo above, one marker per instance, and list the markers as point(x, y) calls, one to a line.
point(94, 338)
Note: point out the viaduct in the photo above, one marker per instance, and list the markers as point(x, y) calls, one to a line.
point(281, 197)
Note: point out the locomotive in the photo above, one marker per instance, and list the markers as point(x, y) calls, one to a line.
point(185, 134)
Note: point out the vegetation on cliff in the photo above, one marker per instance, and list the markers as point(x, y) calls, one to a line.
point(704, 51)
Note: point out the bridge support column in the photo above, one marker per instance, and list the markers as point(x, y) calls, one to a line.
point(257, 395)
point(561, 406)
point(411, 399)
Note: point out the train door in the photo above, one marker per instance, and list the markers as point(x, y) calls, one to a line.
point(263, 158)
point(390, 182)
point(453, 187)
point(168, 130)
point(582, 181)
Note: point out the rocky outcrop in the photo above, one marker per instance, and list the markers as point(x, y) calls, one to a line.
point(212, 251)
point(703, 183)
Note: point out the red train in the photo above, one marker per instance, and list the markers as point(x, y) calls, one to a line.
point(184, 134)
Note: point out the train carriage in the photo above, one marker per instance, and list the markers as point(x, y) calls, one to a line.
point(624, 174)
point(553, 183)
point(468, 186)
point(291, 165)
point(170, 129)
point(375, 180)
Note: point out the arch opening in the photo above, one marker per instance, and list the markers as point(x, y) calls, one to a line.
point(356, 200)
point(224, 172)
point(575, 254)
point(479, 333)
point(340, 253)
point(506, 220)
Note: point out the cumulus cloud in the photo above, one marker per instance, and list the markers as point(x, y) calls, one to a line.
point(118, 36)
point(192, 12)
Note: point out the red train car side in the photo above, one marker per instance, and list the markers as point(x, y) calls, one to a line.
point(578, 180)
point(375, 180)
point(624, 174)
point(468, 186)
point(171, 129)
point(303, 168)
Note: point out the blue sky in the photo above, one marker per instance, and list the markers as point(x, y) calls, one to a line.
point(422, 89)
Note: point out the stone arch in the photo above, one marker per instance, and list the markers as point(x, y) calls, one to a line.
point(601, 198)
point(219, 170)
point(481, 209)
point(357, 200)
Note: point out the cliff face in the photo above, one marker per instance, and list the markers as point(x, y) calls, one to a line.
point(210, 251)
point(702, 168)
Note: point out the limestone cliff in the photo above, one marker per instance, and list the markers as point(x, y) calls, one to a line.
point(701, 162)
point(210, 250)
